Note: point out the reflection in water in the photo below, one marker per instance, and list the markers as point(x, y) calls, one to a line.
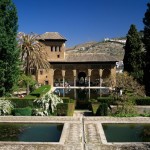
point(30, 132)
point(81, 95)
point(122, 132)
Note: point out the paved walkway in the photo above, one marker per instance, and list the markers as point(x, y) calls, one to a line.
point(79, 133)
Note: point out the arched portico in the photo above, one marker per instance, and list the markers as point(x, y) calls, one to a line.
point(82, 78)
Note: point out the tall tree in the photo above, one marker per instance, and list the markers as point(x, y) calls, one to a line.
point(9, 53)
point(33, 53)
point(133, 58)
point(146, 40)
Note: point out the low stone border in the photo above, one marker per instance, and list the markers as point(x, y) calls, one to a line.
point(79, 133)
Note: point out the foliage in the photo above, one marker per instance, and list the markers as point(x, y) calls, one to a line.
point(48, 103)
point(131, 88)
point(24, 80)
point(22, 102)
point(5, 107)
point(41, 91)
point(9, 53)
point(62, 109)
point(142, 101)
point(95, 107)
point(146, 40)
point(27, 111)
point(66, 109)
point(126, 109)
point(102, 109)
point(33, 53)
point(129, 85)
point(133, 58)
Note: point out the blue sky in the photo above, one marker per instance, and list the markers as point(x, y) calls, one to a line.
point(81, 21)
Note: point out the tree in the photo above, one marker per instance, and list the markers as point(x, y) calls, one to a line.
point(9, 53)
point(146, 40)
point(133, 58)
point(33, 53)
point(130, 88)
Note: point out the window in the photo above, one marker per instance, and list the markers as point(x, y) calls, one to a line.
point(51, 48)
point(41, 72)
point(32, 71)
point(46, 82)
point(58, 56)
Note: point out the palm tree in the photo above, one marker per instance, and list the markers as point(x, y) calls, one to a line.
point(33, 53)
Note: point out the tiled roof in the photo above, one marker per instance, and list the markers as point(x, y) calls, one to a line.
point(87, 57)
point(51, 36)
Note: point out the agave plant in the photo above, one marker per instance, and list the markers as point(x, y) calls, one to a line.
point(48, 103)
point(5, 107)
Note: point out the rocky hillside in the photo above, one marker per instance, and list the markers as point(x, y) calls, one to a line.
point(113, 48)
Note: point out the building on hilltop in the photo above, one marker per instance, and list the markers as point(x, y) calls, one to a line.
point(73, 69)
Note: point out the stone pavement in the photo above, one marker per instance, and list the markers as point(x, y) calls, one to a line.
point(79, 133)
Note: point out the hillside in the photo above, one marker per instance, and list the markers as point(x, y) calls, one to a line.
point(113, 48)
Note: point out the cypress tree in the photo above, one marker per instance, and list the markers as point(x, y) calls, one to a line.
point(9, 53)
point(133, 57)
point(146, 40)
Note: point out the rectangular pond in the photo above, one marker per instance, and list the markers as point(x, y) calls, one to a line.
point(126, 132)
point(30, 132)
point(81, 95)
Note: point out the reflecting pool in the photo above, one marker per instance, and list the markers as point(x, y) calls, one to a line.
point(126, 132)
point(81, 95)
point(28, 132)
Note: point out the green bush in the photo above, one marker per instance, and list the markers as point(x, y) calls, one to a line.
point(62, 109)
point(102, 110)
point(65, 99)
point(95, 107)
point(41, 91)
point(27, 111)
point(108, 100)
point(66, 109)
point(143, 101)
point(21, 103)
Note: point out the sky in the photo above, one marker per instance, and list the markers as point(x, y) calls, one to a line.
point(81, 21)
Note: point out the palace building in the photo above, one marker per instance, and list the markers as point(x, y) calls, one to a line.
point(74, 69)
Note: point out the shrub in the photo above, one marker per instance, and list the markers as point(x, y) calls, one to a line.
point(5, 107)
point(102, 110)
point(95, 107)
point(21, 103)
point(27, 111)
point(143, 101)
point(108, 100)
point(66, 109)
point(41, 91)
point(62, 109)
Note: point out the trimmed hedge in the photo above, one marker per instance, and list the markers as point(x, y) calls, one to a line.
point(66, 108)
point(27, 111)
point(22, 102)
point(62, 109)
point(94, 107)
point(105, 100)
point(102, 110)
point(41, 91)
point(143, 101)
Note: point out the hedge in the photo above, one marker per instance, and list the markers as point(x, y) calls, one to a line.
point(143, 101)
point(41, 91)
point(105, 100)
point(27, 111)
point(94, 107)
point(66, 109)
point(102, 110)
point(22, 102)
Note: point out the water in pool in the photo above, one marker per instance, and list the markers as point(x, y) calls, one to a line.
point(122, 132)
point(24, 132)
point(81, 95)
